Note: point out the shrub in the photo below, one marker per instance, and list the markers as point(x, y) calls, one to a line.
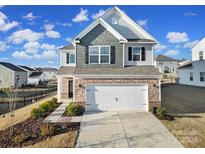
point(18, 139)
point(52, 103)
point(55, 100)
point(161, 111)
point(45, 130)
point(35, 113)
point(45, 107)
point(74, 110)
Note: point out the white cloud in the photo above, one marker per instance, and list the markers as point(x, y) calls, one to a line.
point(98, 14)
point(48, 27)
point(4, 59)
point(190, 14)
point(52, 34)
point(49, 54)
point(68, 39)
point(172, 53)
point(21, 55)
point(31, 45)
point(64, 24)
point(5, 25)
point(25, 35)
point(81, 16)
point(3, 46)
point(191, 44)
point(50, 62)
point(30, 16)
point(159, 47)
point(142, 22)
point(46, 46)
point(177, 37)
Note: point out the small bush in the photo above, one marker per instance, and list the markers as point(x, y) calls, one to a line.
point(55, 100)
point(45, 107)
point(51, 104)
point(18, 139)
point(161, 111)
point(45, 131)
point(74, 110)
point(35, 113)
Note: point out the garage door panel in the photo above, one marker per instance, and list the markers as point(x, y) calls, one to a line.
point(116, 97)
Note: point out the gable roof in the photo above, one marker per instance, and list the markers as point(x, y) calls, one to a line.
point(27, 68)
point(165, 58)
point(105, 25)
point(199, 43)
point(68, 47)
point(35, 74)
point(50, 69)
point(186, 65)
point(12, 67)
point(137, 28)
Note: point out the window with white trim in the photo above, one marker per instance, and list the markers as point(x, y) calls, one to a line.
point(70, 58)
point(134, 54)
point(99, 54)
point(202, 76)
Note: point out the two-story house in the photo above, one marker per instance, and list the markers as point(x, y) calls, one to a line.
point(193, 72)
point(167, 65)
point(109, 66)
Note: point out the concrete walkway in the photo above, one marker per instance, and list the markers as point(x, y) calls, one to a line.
point(124, 130)
point(56, 116)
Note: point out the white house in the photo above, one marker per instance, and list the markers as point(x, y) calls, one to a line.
point(12, 76)
point(50, 73)
point(36, 77)
point(167, 64)
point(193, 73)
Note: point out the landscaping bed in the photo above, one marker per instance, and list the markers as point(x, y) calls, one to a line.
point(73, 110)
point(32, 131)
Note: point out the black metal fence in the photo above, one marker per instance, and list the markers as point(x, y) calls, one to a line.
point(24, 97)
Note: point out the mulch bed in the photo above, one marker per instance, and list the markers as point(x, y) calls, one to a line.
point(32, 131)
point(165, 117)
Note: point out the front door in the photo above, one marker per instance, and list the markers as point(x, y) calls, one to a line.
point(70, 88)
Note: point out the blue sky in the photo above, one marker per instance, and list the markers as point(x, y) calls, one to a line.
point(31, 35)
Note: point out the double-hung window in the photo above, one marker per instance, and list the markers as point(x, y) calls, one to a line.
point(202, 76)
point(70, 58)
point(136, 54)
point(99, 54)
point(201, 56)
point(191, 76)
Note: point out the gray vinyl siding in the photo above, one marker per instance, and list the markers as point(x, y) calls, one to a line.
point(99, 36)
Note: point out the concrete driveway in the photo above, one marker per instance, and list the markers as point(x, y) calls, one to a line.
point(124, 130)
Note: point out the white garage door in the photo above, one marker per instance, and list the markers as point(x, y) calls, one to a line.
point(116, 97)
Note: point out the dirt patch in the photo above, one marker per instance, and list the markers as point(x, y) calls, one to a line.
point(186, 104)
point(32, 131)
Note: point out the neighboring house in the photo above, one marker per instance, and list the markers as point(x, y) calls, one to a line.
point(193, 72)
point(29, 71)
point(167, 64)
point(109, 66)
point(36, 78)
point(12, 76)
point(50, 73)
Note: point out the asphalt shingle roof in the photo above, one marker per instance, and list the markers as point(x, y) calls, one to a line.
point(35, 74)
point(27, 68)
point(12, 67)
point(136, 70)
point(68, 47)
point(165, 58)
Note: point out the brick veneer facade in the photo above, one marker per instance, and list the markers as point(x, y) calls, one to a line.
point(64, 88)
point(153, 88)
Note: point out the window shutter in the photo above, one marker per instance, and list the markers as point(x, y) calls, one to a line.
point(67, 58)
point(86, 55)
point(130, 53)
point(112, 54)
point(143, 53)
